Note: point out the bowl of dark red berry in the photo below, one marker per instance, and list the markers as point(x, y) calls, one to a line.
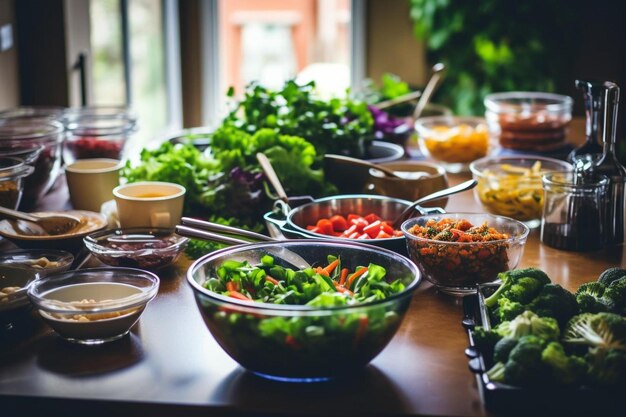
point(92, 137)
point(144, 248)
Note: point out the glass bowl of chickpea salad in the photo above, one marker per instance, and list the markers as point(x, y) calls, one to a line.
point(457, 251)
point(93, 306)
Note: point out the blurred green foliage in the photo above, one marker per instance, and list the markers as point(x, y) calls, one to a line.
point(496, 45)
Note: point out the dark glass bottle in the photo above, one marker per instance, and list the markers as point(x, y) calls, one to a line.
point(609, 165)
point(593, 94)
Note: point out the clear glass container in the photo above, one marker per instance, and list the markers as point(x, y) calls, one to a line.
point(511, 185)
point(457, 267)
point(573, 211)
point(32, 134)
point(34, 114)
point(243, 328)
point(529, 121)
point(75, 114)
point(452, 141)
point(97, 137)
point(12, 174)
point(93, 306)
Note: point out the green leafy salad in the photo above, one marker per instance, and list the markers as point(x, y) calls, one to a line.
point(292, 127)
point(304, 342)
point(327, 286)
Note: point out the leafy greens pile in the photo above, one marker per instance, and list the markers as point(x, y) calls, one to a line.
point(545, 335)
point(225, 183)
point(290, 126)
point(337, 125)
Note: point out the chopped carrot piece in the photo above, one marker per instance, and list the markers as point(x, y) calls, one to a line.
point(321, 271)
point(331, 267)
point(357, 274)
point(343, 276)
point(272, 280)
point(238, 295)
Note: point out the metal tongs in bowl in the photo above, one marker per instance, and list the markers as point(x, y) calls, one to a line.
point(201, 229)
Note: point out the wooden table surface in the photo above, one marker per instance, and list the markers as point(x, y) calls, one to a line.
point(171, 365)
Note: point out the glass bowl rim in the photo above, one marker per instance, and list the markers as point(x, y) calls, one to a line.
point(143, 297)
point(92, 243)
point(32, 131)
point(297, 309)
point(517, 238)
point(494, 101)
point(598, 180)
point(62, 256)
point(422, 122)
point(491, 160)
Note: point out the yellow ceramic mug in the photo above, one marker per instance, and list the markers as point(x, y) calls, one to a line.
point(418, 179)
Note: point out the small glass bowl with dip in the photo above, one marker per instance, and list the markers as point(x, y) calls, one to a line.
point(145, 248)
point(93, 306)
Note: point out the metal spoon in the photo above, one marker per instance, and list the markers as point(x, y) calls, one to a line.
point(429, 89)
point(362, 162)
point(41, 224)
point(467, 185)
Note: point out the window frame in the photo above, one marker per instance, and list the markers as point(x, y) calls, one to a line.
point(210, 51)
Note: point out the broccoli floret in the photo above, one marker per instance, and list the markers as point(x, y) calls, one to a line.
point(607, 366)
point(601, 330)
point(485, 340)
point(525, 367)
point(520, 285)
point(554, 301)
point(564, 370)
point(503, 348)
point(589, 297)
point(594, 288)
point(610, 275)
point(507, 310)
point(529, 323)
point(615, 296)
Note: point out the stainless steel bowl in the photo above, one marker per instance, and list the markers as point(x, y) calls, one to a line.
point(292, 223)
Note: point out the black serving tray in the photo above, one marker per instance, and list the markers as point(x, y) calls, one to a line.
point(512, 400)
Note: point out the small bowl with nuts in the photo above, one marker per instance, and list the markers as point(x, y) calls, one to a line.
point(43, 261)
point(93, 306)
point(14, 281)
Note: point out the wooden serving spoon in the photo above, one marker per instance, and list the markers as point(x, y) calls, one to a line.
point(362, 162)
point(41, 224)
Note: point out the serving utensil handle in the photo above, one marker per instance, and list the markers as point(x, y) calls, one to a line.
point(220, 228)
point(204, 235)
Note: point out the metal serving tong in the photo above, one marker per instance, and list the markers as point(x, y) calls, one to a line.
point(214, 232)
point(201, 229)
